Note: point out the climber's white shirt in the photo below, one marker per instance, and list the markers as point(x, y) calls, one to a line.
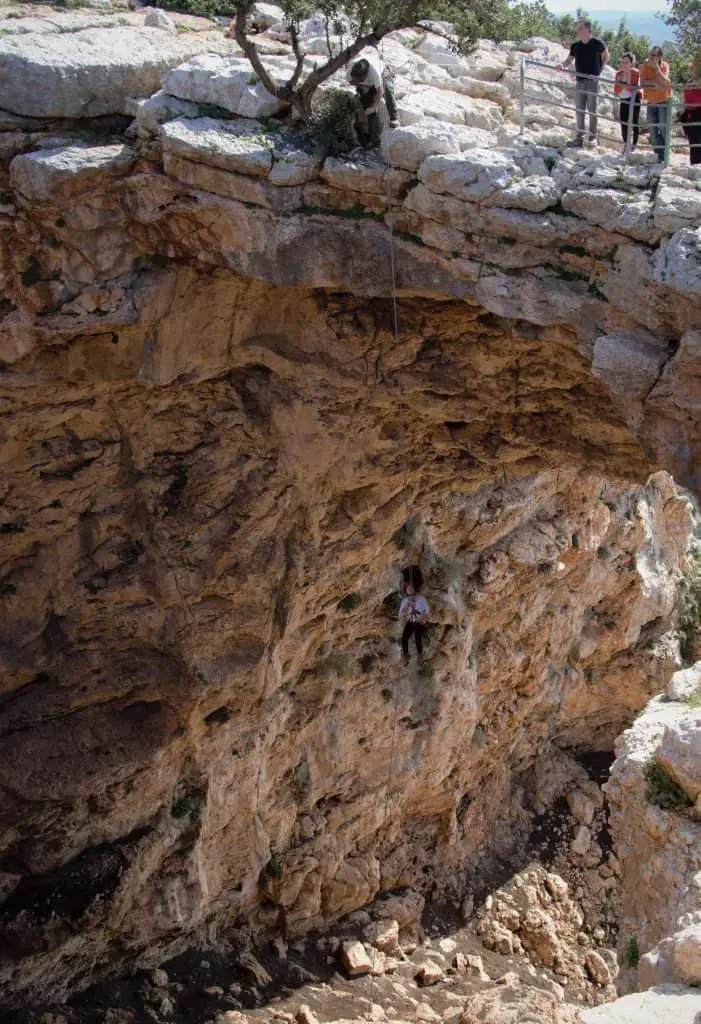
point(413, 607)
point(374, 76)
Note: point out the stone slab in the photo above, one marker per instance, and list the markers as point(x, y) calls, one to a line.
point(88, 73)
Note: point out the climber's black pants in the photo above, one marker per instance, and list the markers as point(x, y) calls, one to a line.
point(371, 128)
point(418, 629)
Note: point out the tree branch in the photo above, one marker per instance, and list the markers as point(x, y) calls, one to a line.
point(251, 50)
point(322, 74)
point(300, 55)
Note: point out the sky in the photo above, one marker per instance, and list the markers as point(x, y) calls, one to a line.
point(632, 6)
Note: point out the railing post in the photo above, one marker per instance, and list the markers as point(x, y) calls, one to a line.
point(668, 133)
point(522, 106)
point(632, 103)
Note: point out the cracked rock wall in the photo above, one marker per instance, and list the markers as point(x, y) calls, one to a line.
point(204, 518)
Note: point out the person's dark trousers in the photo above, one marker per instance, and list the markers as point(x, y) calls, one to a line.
point(625, 119)
point(373, 129)
point(657, 122)
point(389, 97)
point(417, 629)
point(587, 99)
point(693, 134)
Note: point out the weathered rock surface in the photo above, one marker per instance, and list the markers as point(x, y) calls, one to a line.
point(666, 1004)
point(659, 849)
point(89, 73)
point(219, 458)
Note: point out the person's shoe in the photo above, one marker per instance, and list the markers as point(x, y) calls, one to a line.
point(394, 123)
point(575, 143)
point(593, 143)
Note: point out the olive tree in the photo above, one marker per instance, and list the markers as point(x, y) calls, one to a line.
point(685, 16)
point(370, 21)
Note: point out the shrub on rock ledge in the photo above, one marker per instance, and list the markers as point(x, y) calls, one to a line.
point(662, 790)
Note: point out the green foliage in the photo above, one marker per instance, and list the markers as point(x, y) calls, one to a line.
point(694, 699)
point(631, 957)
point(350, 602)
point(184, 805)
point(332, 129)
point(685, 17)
point(662, 790)
point(690, 618)
point(201, 8)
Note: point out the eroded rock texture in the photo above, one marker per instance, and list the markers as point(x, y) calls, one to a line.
point(205, 516)
point(218, 457)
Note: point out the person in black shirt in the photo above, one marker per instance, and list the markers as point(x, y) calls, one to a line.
point(588, 55)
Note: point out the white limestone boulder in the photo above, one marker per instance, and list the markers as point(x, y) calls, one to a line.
point(409, 146)
point(265, 15)
point(687, 955)
point(227, 83)
point(630, 213)
point(89, 73)
point(677, 207)
point(665, 1004)
point(680, 753)
point(456, 108)
point(685, 682)
point(474, 175)
point(678, 263)
point(156, 18)
point(237, 146)
point(49, 174)
point(151, 113)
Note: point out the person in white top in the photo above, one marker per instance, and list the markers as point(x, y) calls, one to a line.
point(414, 608)
point(372, 85)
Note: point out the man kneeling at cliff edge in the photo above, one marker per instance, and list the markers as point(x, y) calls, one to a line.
point(372, 85)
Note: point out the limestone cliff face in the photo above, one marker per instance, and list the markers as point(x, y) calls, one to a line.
point(217, 459)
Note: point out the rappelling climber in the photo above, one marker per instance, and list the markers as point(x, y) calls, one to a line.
point(414, 608)
point(372, 85)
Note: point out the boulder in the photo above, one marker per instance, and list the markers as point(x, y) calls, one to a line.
point(474, 175)
point(685, 682)
point(687, 955)
point(512, 1004)
point(429, 973)
point(470, 965)
point(581, 842)
point(680, 753)
point(238, 146)
point(89, 73)
point(155, 18)
point(265, 15)
point(408, 147)
point(50, 174)
point(151, 113)
point(677, 204)
point(665, 1004)
point(597, 968)
point(227, 83)
point(384, 935)
point(355, 959)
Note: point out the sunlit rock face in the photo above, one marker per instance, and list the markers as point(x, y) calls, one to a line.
point(205, 517)
point(218, 456)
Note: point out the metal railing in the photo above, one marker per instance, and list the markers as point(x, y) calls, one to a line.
point(667, 132)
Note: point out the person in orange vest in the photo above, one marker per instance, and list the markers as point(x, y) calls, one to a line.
point(626, 88)
point(657, 87)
